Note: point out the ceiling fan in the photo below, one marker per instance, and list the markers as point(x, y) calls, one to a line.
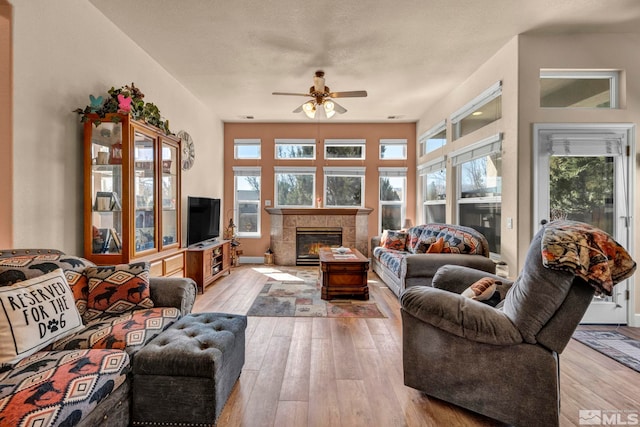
point(322, 96)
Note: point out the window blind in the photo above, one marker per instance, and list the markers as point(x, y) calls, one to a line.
point(295, 141)
point(581, 145)
point(393, 142)
point(433, 131)
point(392, 171)
point(247, 141)
point(247, 171)
point(295, 169)
point(483, 148)
point(348, 171)
point(345, 141)
point(433, 166)
point(488, 95)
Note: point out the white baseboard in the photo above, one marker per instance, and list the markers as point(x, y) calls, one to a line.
point(634, 320)
point(251, 260)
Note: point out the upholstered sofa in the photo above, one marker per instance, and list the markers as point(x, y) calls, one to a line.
point(411, 258)
point(82, 378)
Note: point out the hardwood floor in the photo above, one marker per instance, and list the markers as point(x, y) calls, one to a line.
point(348, 372)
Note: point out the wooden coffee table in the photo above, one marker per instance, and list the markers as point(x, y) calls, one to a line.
point(343, 275)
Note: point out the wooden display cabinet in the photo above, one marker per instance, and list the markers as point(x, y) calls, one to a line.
point(132, 195)
point(207, 262)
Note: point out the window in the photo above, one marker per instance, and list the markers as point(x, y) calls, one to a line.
point(479, 195)
point(393, 149)
point(247, 200)
point(344, 148)
point(295, 149)
point(579, 89)
point(434, 138)
point(246, 148)
point(433, 176)
point(295, 186)
point(393, 182)
point(344, 187)
point(484, 109)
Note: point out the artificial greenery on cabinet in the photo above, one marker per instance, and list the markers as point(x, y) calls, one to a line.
point(126, 100)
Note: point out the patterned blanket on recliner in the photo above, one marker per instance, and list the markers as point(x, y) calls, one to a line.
point(588, 252)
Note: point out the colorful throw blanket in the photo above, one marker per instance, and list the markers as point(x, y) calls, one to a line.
point(588, 252)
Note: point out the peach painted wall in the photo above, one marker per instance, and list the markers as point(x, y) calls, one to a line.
point(6, 119)
point(503, 67)
point(268, 132)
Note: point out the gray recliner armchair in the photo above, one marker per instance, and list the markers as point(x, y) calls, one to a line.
point(501, 362)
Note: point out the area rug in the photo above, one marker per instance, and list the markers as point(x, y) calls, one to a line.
point(613, 344)
point(296, 293)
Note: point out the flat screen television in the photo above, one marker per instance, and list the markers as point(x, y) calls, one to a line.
point(203, 219)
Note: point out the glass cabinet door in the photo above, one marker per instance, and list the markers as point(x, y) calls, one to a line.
point(169, 193)
point(106, 189)
point(144, 191)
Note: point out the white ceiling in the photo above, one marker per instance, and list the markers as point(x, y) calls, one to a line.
point(406, 53)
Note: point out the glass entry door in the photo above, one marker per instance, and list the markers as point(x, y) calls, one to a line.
point(583, 175)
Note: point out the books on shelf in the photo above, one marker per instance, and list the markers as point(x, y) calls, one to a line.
point(106, 240)
point(115, 238)
point(101, 240)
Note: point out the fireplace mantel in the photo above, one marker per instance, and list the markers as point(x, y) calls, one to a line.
point(319, 211)
point(284, 221)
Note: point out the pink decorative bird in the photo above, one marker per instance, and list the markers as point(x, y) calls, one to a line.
point(124, 104)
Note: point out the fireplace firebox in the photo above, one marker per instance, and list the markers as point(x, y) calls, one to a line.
point(309, 240)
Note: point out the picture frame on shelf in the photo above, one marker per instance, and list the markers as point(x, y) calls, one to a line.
point(117, 206)
point(107, 201)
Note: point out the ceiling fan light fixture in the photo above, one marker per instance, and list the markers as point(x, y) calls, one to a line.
point(320, 107)
point(329, 108)
point(309, 109)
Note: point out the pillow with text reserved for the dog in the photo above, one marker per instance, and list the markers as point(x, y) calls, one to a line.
point(36, 312)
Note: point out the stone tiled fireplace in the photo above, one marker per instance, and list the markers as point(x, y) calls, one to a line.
point(285, 222)
point(309, 241)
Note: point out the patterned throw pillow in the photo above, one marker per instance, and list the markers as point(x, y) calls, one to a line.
point(482, 290)
point(23, 267)
point(437, 247)
point(58, 388)
point(424, 243)
point(117, 289)
point(36, 312)
point(394, 240)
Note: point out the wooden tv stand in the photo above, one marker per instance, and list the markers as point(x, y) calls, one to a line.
point(207, 262)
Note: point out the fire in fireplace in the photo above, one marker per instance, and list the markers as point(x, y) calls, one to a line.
point(309, 240)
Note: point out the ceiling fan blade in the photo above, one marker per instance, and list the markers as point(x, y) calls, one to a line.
point(290, 93)
point(299, 109)
point(338, 108)
point(349, 94)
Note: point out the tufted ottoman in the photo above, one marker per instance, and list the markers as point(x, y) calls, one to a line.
point(184, 376)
